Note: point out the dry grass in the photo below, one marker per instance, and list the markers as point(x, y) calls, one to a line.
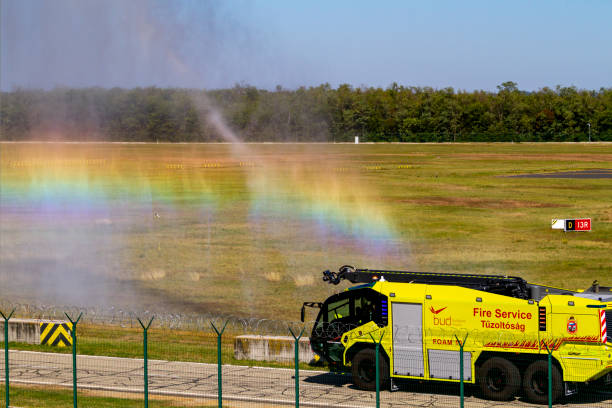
point(153, 275)
point(304, 280)
point(272, 276)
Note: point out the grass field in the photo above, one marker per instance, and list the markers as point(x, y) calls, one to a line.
point(247, 230)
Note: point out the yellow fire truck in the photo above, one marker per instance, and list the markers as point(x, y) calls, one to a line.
point(510, 325)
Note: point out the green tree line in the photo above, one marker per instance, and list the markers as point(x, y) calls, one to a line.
point(319, 114)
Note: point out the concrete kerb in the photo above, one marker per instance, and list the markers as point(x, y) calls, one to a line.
point(271, 348)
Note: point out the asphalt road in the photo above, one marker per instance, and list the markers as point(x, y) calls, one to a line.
point(242, 386)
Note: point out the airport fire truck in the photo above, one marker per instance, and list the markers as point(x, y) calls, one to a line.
point(507, 325)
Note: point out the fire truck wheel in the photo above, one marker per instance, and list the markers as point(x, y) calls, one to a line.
point(499, 379)
point(364, 370)
point(535, 382)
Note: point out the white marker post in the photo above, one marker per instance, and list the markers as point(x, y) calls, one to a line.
point(356, 139)
point(558, 224)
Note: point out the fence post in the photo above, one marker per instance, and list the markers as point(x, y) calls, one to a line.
point(549, 352)
point(219, 365)
point(146, 369)
point(377, 367)
point(297, 366)
point(74, 358)
point(6, 355)
point(461, 345)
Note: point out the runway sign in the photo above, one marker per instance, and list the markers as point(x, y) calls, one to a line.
point(578, 224)
point(583, 224)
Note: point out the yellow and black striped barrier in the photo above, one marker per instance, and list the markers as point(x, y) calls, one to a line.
point(56, 334)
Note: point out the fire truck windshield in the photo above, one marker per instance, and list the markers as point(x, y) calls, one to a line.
point(348, 310)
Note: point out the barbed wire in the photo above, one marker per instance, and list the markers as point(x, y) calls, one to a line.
point(174, 321)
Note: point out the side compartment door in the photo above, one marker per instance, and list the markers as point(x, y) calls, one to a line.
point(408, 339)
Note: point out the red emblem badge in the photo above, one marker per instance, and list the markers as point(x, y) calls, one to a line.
point(572, 326)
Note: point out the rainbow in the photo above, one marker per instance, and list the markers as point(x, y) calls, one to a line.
point(334, 203)
point(333, 206)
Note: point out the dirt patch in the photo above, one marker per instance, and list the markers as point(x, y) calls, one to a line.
point(479, 202)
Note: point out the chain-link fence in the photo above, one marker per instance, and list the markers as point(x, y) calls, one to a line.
point(130, 359)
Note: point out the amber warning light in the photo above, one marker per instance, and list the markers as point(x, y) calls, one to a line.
point(578, 224)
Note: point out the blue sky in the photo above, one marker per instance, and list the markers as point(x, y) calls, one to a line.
point(216, 44)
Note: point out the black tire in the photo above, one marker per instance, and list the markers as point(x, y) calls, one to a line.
point(364, 370)
point(535, 383)
point(499, 379)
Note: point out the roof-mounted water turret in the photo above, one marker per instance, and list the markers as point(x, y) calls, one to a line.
point(499, 284)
